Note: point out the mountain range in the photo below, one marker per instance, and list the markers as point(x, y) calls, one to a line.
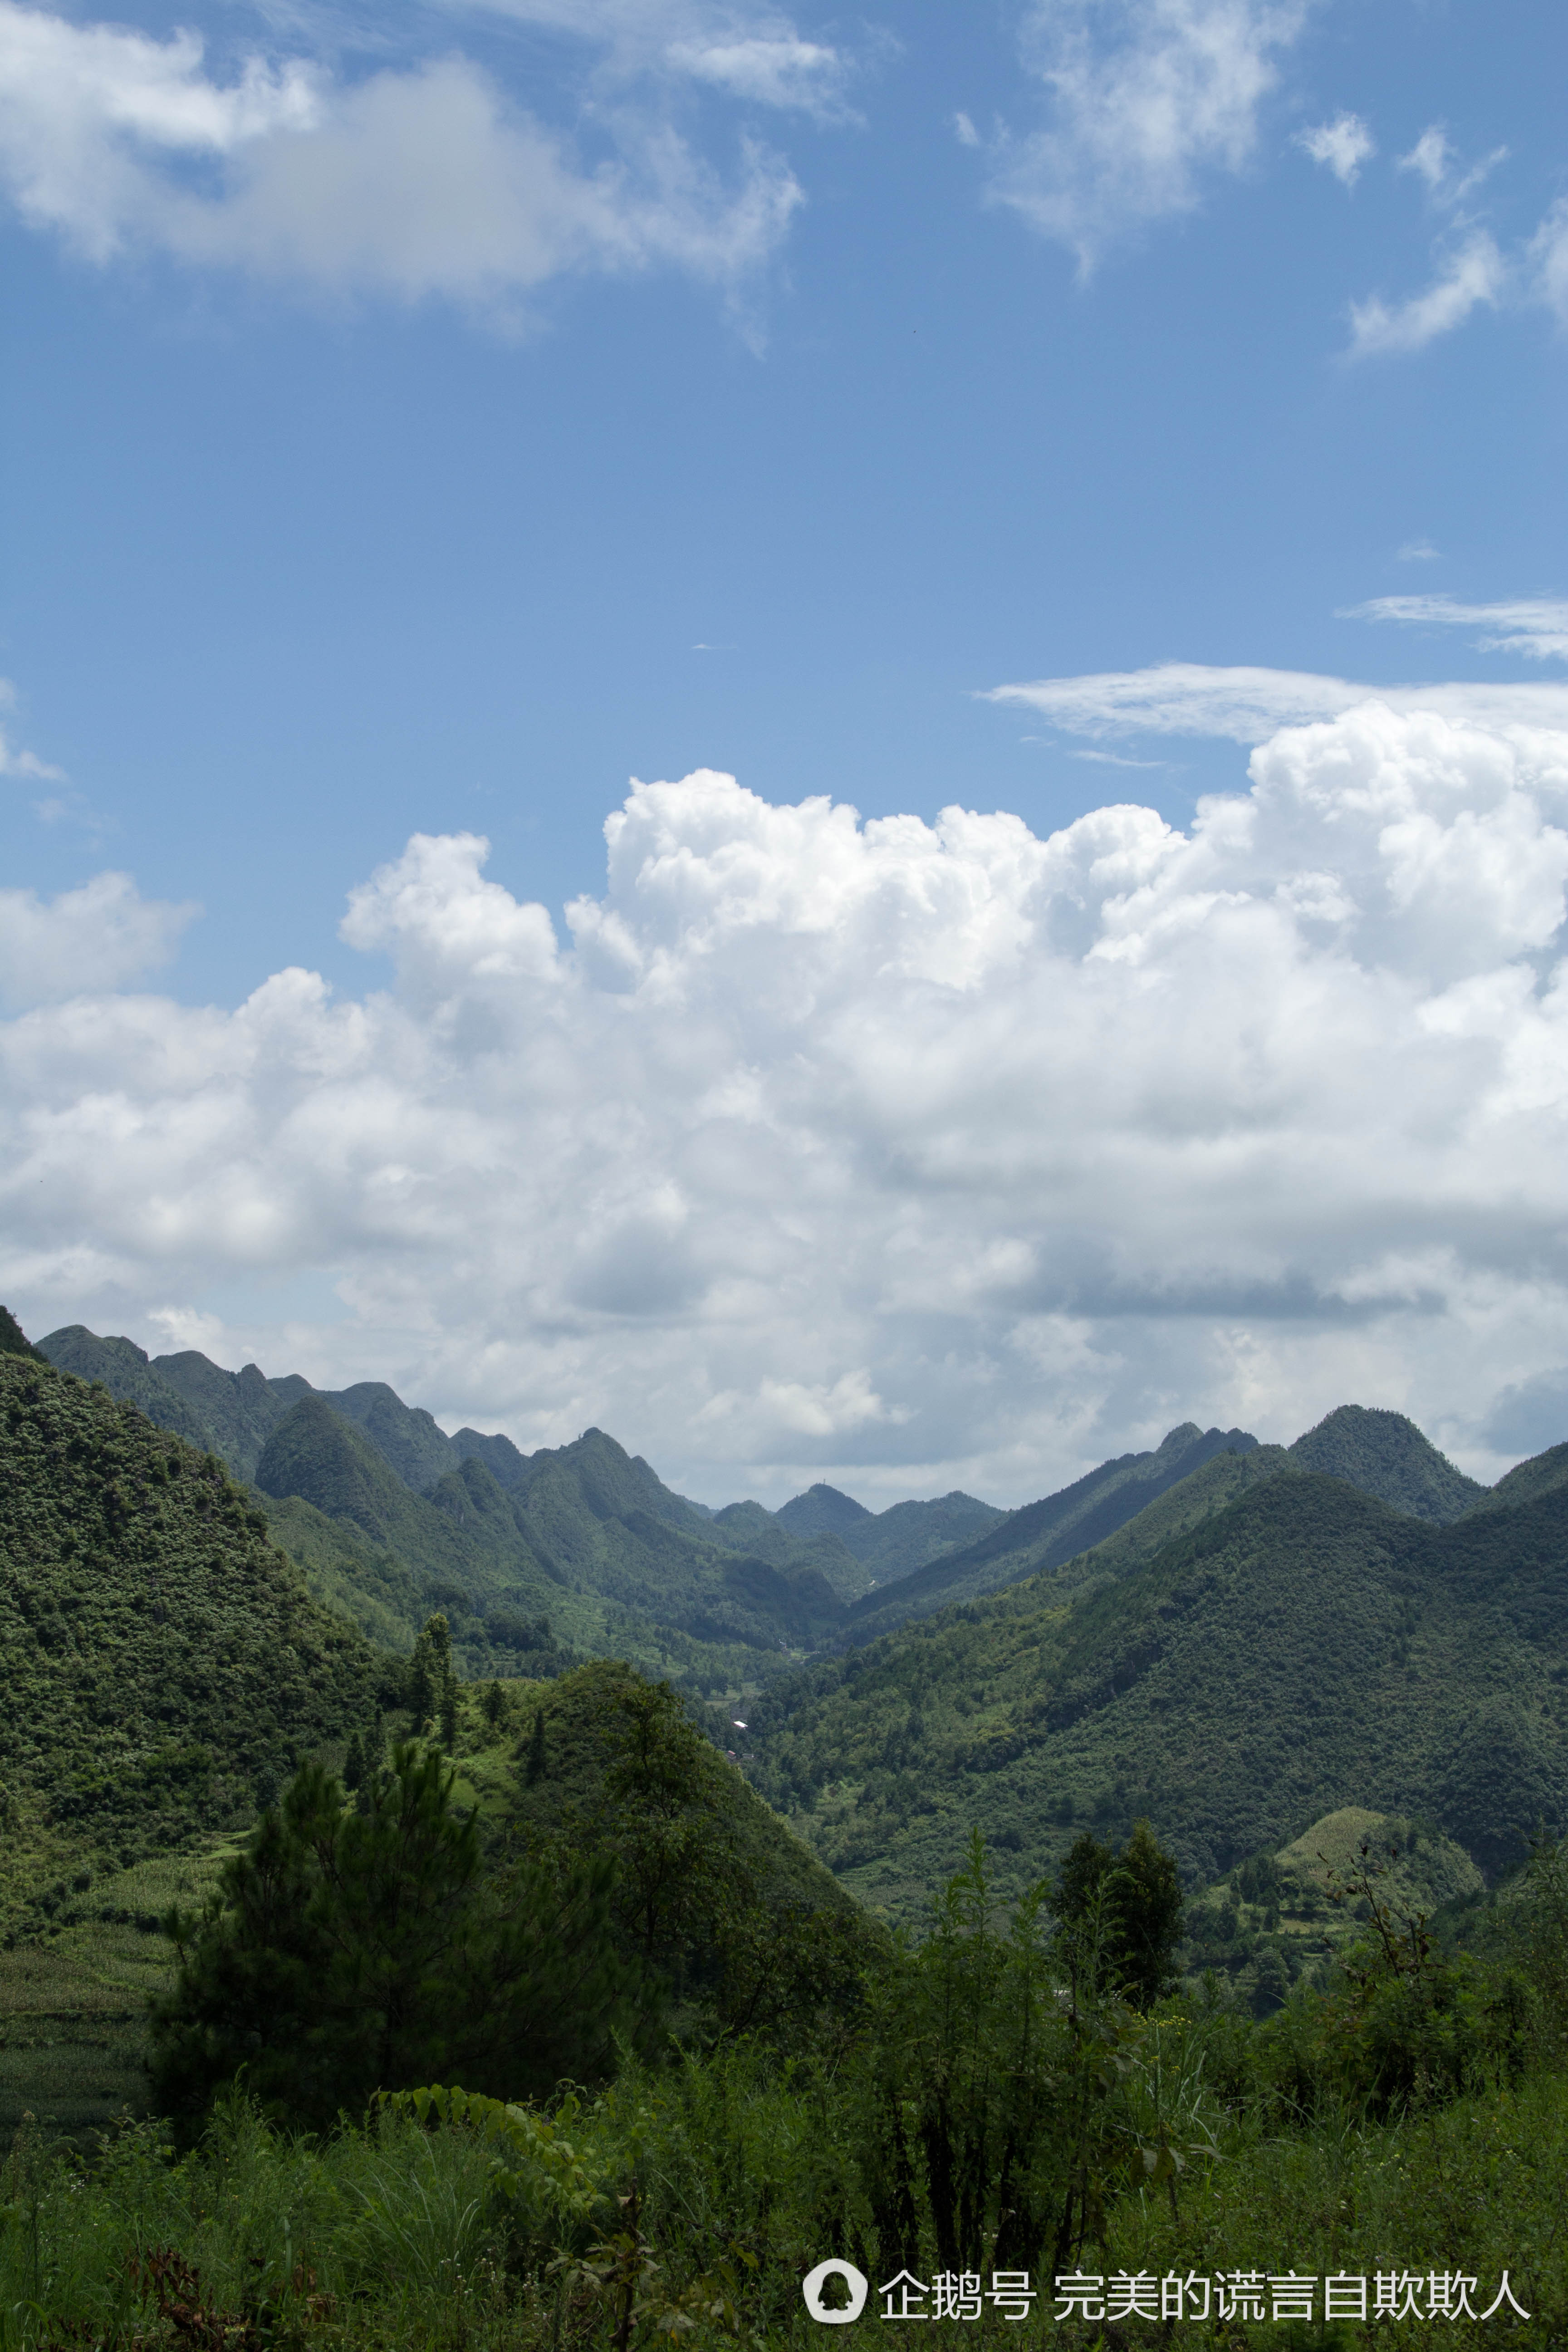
point(581, 1550)
point(1230, 1638)
point(1265, 1644)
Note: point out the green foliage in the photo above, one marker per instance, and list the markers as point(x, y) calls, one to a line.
point(1302, 1647)
point(1120, 1916)
point(1385, 1455)
point(975, 2120)
point(362, 1949)
point(962, 2108)
point(13, 1341)
point(711, 1891)
point(433, 1681)
point(1046, 1536)
point(163, 1660)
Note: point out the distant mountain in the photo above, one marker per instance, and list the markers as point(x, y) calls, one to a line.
point(1386, 1455)
point(235, 1413)
point(822, 1511)
point(1540, 1476)
point(1301, 1648)
point(165, 1668)
point(892, 1543)
point(1044, 1534)
point(536, 1558)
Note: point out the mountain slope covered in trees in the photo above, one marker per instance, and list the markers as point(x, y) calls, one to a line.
point(1303, 1648)
point(574, 1549)
point(164, 1666)
point(1047, 1534)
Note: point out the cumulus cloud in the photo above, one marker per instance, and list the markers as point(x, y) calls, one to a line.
point(1147, 98)
point(85, 940)
point(1343, 145)
point(1535, 625)
point(423, 179)
point(911, 1154)
point(1248, 704)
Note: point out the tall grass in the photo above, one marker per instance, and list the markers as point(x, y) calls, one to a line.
point(719, 2183)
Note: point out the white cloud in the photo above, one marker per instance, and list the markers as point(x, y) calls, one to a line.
point(84, 940)
point(1418, 550)
point(1343, 145)
point(1147, 98)
point(14, 759)
point(1433, 160)
point(1535, 625)
point(1548, 261)
point(417, 181)
point(1248, 704)
point(1477, 273)
point(1430, 156)
point(919, 1154)
point(787, 72)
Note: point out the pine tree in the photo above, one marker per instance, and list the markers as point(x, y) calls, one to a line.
point(538, 1762)
point(348, 1952)
point(1120, 1914)
point(432, 1681)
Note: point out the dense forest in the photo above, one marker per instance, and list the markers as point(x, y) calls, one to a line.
point(453, 1898)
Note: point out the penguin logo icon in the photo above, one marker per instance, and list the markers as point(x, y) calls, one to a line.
point(857, 2281)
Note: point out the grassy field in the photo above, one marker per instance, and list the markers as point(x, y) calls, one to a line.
point(72, 2006)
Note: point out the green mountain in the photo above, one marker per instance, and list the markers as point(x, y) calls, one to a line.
point(13, 1341)
point(1045, 1535)
point(823, 1511)
point(536, 1559)
point(712, 1882)
point(892, 1543)
point(1301, 1648)
point(588, 1545)
point(1386, 1455)
point(1522, 1484)
point(164, 1665)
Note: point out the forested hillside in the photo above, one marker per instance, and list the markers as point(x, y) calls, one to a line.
point(536, 1558)
point(1385, 1455)
point(1047, 1534)
point(166, 1667)
point(1306, 1648)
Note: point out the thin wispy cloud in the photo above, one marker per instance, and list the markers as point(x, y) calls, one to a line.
point(15, 759)
point(1536, 626)
point(1147, 100)
point(1476, 275)
point(1546, 261)
point(1112, 759)
point(1418, 550)
point(1342, 145)
point(1433, 160)
point(1247, 705)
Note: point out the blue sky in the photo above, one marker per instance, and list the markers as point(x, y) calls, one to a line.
point(423, 421)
